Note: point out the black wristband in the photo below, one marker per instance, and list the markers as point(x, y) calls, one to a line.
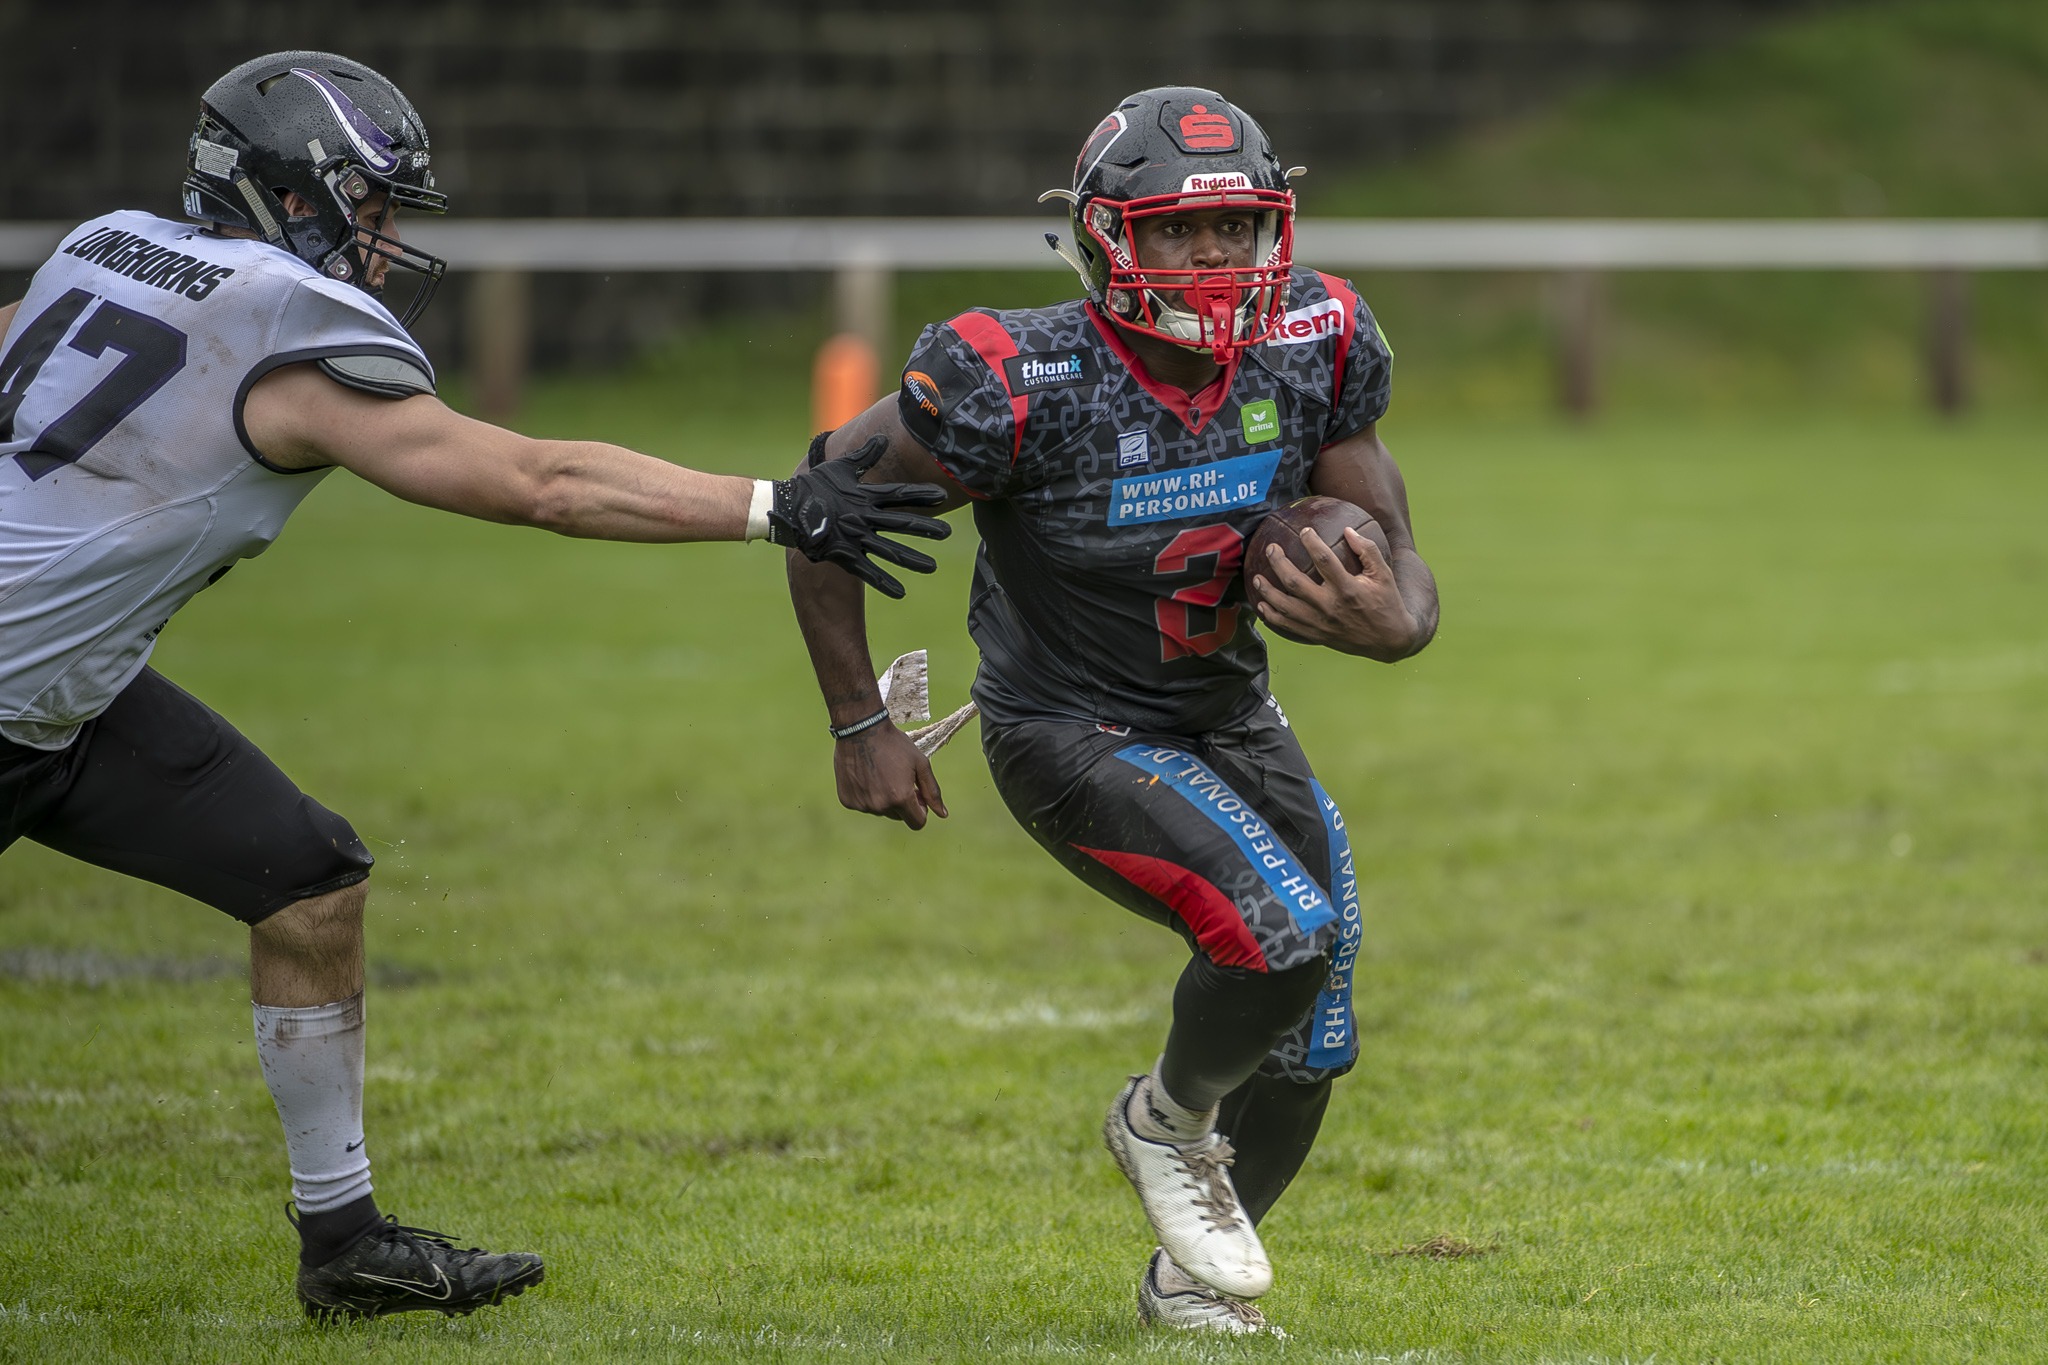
point(849, 731)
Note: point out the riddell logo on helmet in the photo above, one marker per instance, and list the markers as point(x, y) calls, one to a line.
point(1233, 180)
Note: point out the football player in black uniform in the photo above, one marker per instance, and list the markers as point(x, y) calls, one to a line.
point(1118, 452)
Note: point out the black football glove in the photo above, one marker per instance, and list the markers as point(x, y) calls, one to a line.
point(830, 515)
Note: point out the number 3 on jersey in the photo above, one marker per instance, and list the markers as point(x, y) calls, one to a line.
point(1178, 619)
point(151, 353)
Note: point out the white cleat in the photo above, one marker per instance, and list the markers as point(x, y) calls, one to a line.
point(1186, 1190)
point(1170, 1297)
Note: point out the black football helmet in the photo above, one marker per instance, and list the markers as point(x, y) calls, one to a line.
point(1167, 151)
point(331, 129)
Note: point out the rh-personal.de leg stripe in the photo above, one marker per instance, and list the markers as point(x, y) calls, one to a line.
point(1333, 1035)
point(1211, 795)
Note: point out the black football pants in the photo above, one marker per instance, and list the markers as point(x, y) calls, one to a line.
point(160, 787)
point(1226, 838)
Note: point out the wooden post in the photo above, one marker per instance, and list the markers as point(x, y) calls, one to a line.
point(1575, 305)
point(499, 315)
point(863, 296)
point(1948, 341)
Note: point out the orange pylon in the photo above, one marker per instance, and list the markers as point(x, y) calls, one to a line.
point(843, 381)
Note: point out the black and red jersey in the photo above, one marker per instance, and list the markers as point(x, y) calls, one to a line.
point(1114, 511)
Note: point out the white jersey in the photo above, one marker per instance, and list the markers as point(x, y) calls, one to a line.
point(127, 481)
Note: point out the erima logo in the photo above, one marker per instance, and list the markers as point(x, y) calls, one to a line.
point(1133, 447)
point(1031, 373)
point(1260, 421)
point(1312, 323)
point(1235, 180)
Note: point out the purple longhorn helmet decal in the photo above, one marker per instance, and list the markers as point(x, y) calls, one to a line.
point(370, 141)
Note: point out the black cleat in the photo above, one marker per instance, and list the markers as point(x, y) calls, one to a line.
point(394, 1269)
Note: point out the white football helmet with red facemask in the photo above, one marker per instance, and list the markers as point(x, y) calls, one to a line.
point(1168, 151)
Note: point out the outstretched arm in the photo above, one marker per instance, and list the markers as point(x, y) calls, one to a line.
point(879, 770)
point(1386, 611)
point(423, 451)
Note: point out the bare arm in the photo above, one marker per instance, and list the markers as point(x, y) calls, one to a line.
point(7, 316)
point(423, 451)
point(1386, 611)
point(878, 771)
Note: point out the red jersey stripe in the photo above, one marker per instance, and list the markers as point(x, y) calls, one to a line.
point(994, 346)
point(1336, 290)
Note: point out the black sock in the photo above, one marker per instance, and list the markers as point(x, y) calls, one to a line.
point(1271, 1122)
point(324, 1236)
point(1225, 1021)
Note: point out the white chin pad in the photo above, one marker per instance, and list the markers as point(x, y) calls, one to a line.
point(1186, 328)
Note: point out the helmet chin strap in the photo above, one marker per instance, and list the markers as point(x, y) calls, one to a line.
point(1212, 326)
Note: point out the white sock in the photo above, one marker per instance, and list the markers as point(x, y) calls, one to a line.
point(1158, 1116)
point(313, 1063)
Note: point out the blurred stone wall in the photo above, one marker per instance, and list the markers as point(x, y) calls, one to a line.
point(630, 107)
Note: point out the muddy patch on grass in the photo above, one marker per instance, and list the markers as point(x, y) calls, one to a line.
point(1445, 1247)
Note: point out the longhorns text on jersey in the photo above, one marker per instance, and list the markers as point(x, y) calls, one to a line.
point(1114, 511)
point(139, 327)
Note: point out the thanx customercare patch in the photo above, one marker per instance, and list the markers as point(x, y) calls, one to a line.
point(1037, 371)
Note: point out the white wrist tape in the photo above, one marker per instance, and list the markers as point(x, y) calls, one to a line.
point(757, 514)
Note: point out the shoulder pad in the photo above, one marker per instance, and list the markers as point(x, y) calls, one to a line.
point(387, 376)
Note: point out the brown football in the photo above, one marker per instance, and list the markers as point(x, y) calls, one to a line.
point(1327, 517)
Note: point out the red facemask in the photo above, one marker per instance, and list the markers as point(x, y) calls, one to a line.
point(1218, 310)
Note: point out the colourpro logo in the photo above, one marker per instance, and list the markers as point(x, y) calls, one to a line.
point(1312, 323)
point(922, 391)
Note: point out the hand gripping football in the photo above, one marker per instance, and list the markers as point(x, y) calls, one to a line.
point(1327, 517)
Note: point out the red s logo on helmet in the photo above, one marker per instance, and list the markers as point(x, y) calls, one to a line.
point(1203, 131)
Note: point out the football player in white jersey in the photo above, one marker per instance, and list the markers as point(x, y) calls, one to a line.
point(169, 392)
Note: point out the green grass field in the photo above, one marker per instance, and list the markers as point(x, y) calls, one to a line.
point(1704, 980)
